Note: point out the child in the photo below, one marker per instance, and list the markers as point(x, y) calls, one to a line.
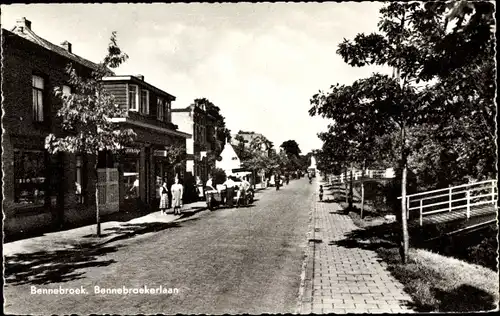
point(321, 193)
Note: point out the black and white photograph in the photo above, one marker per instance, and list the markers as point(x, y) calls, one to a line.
point(234, 158)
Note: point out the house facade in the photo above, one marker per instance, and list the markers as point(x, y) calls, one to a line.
point(195, 120)
point(144, 165)
point(38, 189)
point(42, 191)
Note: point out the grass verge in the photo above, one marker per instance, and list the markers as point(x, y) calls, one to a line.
point(435, 282)
point(442, 284)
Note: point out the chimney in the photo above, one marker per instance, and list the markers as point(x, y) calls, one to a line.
point(22, 24)
point(140, 77)
point(67, 46)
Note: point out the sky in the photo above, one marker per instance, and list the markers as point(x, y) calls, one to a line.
point(260, 63)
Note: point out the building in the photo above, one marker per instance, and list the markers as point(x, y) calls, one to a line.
point(38, 189)
point(143, 166)
point(229, 162)
point(196, 120)
point(42, 191)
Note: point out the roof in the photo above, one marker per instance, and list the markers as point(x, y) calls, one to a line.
point(136, 80)
point(29, 35)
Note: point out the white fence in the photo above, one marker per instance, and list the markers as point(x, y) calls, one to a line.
point(369, 174)
point(462, 197)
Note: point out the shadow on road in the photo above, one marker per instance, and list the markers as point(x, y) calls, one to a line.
point(56, 266)
point(46, 267)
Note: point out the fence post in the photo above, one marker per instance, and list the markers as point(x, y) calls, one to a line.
point(493, 192)
point(468, 204)
point(449, 195)
point(407, 207)
point(421, 212)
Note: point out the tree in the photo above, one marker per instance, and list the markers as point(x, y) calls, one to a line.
point(291, 148)
point(86, 115)
point(218, 134)
point(414, 40)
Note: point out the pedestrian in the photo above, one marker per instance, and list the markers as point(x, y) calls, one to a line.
point(177, 192)
point(210, 181)
point(277, 181)
point(230, 187)
point(287, 178)
point(164, 198)
point(321, 193)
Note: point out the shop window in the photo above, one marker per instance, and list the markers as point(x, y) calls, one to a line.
point(38, 86)
point(79, 180)
point(29, 177)
point(131, 178)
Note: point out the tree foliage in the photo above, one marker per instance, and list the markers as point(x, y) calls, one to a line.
point(86, 113)
point(291, 148)
point(435, 115)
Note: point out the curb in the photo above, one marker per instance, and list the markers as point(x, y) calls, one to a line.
point(306, 286)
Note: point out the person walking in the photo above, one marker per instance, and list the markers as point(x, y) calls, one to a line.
point(177, 192)
point(321, 193)
point(277, 181)
point(164, 198)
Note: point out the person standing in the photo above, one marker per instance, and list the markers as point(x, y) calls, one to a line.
point(230, 188)
point(277, 181)
point(321, 193)
point(164, 198)
point(177, 192)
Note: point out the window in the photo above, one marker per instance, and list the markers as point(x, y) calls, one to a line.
point(133, 98)
point(160, 109)
point(66, 90)
point(131, 177)
point(145, 101)
point(29, 177)
point(38, 88)
point(168, 111)
point(79, 180)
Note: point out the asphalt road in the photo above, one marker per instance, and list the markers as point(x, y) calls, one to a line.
point(245, 260)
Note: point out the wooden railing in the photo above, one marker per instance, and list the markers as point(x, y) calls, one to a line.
point(461, 197)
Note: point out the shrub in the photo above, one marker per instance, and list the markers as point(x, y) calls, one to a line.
point(219, 176)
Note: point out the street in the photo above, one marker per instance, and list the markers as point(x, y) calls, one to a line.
point(239, 260)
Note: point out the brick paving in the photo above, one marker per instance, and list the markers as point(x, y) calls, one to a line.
point(346, 280)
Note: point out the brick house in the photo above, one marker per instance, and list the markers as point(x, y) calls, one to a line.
point(43, 191)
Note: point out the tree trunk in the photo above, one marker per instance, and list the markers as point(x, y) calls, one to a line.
point(404, 221)
point(346, 187)
point(363, 189)
point(350, 190)
point(98, 217)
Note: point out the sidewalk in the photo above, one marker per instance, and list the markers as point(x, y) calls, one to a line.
point(341, 278)
point(110, 231)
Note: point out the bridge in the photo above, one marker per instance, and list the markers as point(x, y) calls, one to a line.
point(471, 200)
point(462, 208)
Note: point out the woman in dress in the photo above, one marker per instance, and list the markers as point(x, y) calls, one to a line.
point(177, 191)
point(164, 198)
